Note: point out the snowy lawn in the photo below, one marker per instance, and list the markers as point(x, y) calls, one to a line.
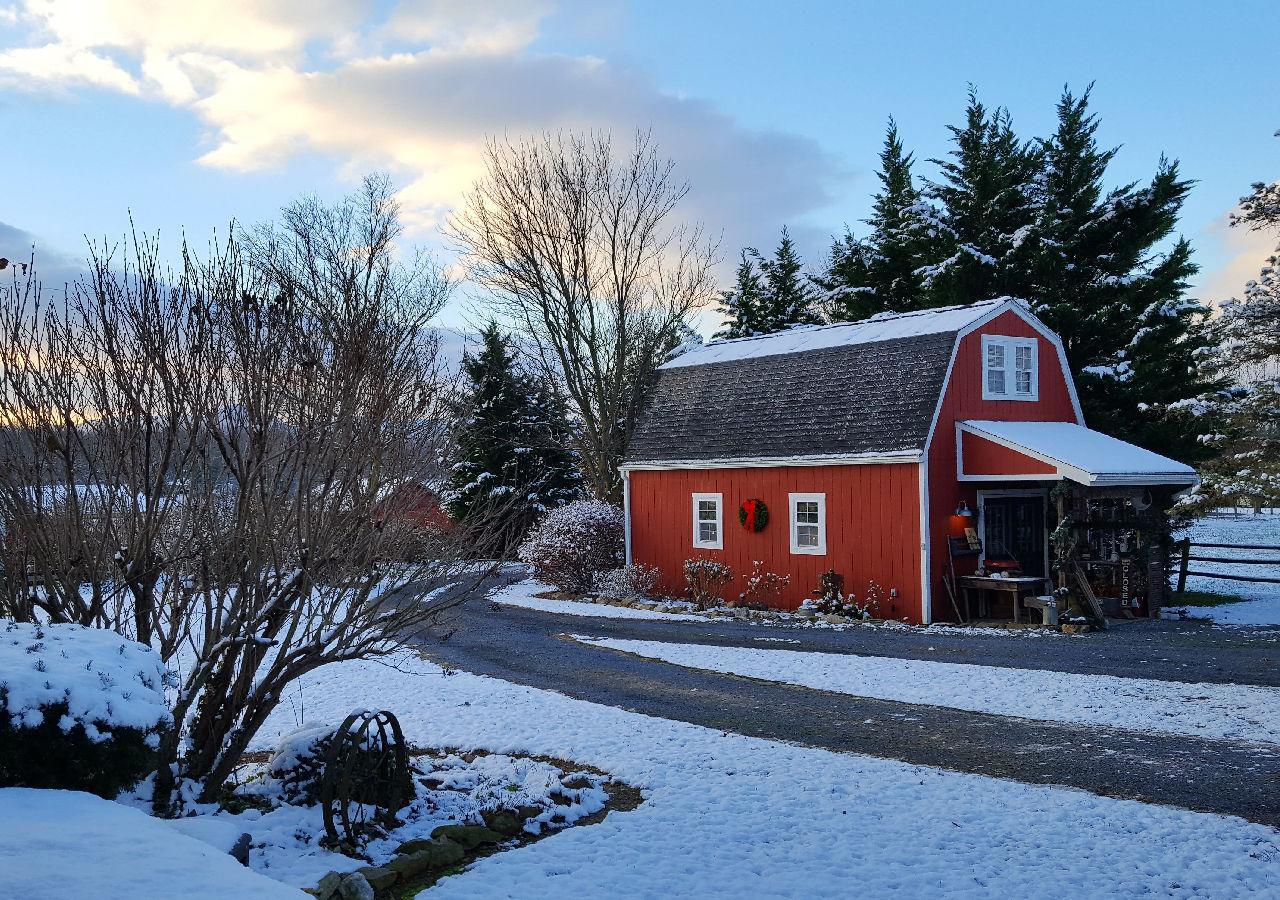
point(733, 816)
point(68, 845)
point(1263, 606)
point(522, 594)
point(1205, 710)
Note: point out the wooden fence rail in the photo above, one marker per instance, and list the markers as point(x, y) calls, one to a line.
point(1186, 558)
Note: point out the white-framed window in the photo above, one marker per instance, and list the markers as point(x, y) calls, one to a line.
point(808, 523)
point(708, 521)
point(1010, 368)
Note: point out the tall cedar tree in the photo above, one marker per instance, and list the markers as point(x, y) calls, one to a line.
point(743, 304)
point(1100, 278)
point(771, 293)
point(879, 273)
point(1035, 221)
point(515, 462)
point(987, 197)
point(1245, 417)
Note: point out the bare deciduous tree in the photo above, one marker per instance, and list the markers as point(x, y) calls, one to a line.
point(207, 460)
point(580, 252)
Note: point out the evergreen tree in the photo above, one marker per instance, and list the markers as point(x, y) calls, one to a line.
point(1134, 342)
point(770, 293)
point(988, 197)
point(742, 306)
point(789, 297)
point(880, 272)
point(515, 462)
point(1246, 415)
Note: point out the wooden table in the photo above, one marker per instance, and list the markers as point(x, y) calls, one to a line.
point(981, 584)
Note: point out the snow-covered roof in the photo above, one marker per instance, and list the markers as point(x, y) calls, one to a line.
point(883, 327)
point(1083, 455)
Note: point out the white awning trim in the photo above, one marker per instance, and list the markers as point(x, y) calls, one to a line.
point(1082, 454)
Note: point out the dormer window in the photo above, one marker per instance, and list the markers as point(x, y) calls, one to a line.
point(1010, 368)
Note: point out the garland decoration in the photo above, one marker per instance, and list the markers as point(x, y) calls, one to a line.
point(753, 515)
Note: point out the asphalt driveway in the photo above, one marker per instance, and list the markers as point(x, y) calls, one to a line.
point(529, 647)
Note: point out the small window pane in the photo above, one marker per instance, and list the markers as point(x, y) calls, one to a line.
point(707, 510)
point(995, 356)
point(1023, 383)
point(706, 532)
point(806, 535)
point(807, 512)
point(995, 381)
point(1022, 358)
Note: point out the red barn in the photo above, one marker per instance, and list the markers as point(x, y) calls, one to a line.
point(870, 444)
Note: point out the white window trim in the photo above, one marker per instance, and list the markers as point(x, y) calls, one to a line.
point(718, 543)
point(821, 500)
point(1011, 377)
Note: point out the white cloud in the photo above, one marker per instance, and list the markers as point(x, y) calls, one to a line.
point(415, 89)
point(1243, 253)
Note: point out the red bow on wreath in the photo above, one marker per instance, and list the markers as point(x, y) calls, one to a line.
point(753, 515)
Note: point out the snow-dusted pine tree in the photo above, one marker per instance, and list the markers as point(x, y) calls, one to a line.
point(515, 462)
point(1246, 417)
point(987, 195)
point(741, 306)
point(1103, 274)
point(879, 272)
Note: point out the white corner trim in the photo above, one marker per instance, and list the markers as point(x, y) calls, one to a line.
point(775, 462)
point(626, 515)
point(926, 542)
point(821, 500)
point(718, 543)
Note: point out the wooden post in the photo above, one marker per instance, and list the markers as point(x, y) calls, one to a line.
point(1185, 545)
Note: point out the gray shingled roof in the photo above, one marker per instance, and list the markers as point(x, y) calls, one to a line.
point(835, 400)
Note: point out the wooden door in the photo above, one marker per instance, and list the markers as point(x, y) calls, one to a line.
point(1015, 527)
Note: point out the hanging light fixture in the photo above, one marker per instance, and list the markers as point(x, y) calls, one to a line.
point(963, 510)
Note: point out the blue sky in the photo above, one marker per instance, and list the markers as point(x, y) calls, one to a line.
point(188, 115)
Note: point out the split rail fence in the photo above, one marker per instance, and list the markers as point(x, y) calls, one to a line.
point(1187, 556)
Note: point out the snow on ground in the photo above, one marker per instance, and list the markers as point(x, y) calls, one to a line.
point(522, 594)
point(1226, 711)
point(286, 839)
point(1263, 607)
point(729, 816)
point(68, 845)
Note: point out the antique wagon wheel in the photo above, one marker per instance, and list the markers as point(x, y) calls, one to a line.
point(366, 777)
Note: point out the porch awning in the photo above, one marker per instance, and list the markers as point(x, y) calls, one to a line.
point(1051, 450)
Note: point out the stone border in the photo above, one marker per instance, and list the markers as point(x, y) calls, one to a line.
point(420, 863)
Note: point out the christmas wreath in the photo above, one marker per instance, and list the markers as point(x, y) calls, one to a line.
point(753, 515)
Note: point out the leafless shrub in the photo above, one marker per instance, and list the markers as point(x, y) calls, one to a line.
point(197, 458)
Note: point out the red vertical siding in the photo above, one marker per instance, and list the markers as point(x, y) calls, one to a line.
point(873, 527)
point(962, 399)
point(984, 457)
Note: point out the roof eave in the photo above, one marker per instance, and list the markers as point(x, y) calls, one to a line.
point(769, 462)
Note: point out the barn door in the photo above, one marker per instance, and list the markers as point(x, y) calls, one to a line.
point(1015, 526)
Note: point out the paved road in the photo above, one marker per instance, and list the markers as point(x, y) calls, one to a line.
point(528, 647)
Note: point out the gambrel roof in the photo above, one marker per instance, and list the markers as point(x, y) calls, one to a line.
point(864, 388)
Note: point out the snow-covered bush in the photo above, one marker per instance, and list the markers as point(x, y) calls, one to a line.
point(80, 708)
point(573, 543)
point(705, 578)
point(763, 588)
point(635, 582)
